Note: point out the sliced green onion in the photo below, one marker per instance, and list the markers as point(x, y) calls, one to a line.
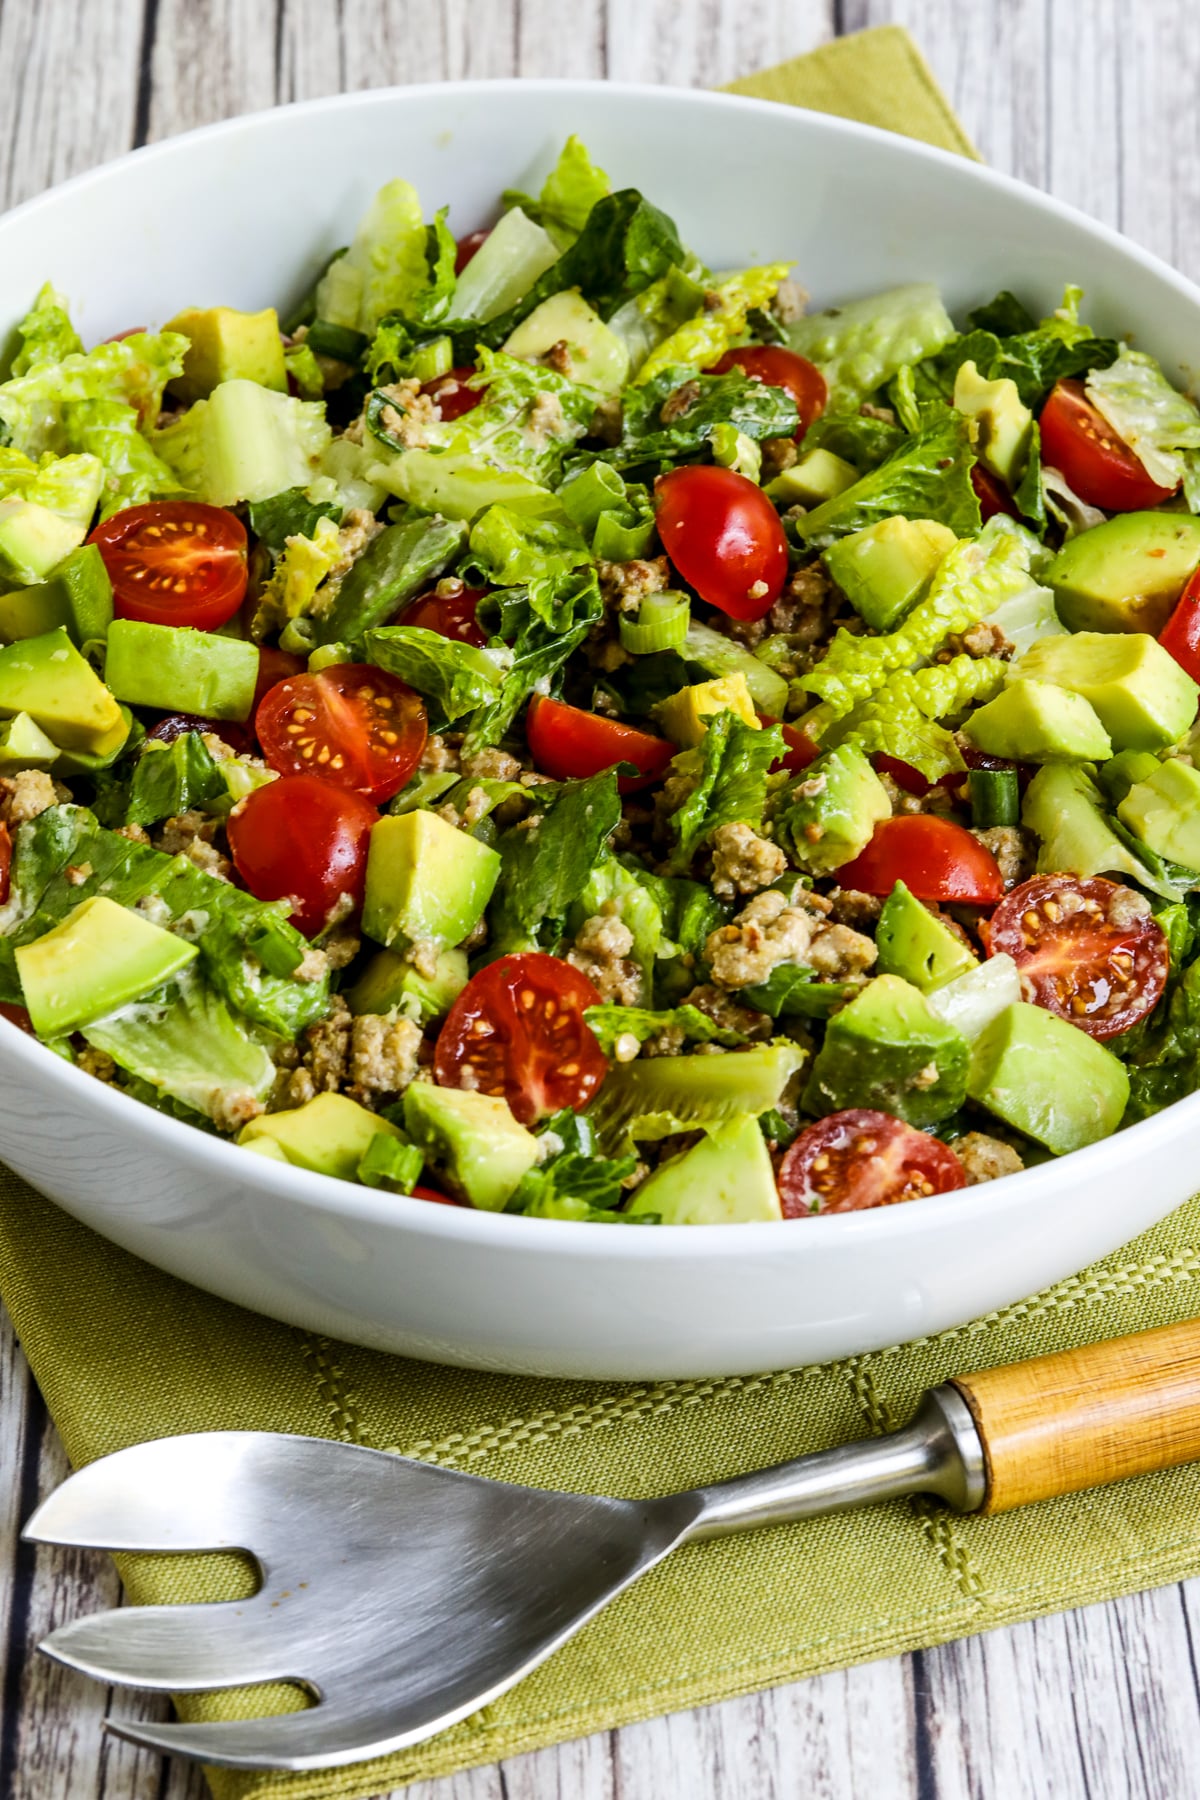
point(732, 449)
point(661, 624)
point(325, 655)
point(620, 536)
point(995, 799)
point(298, 636)
point(433, 359)
point(593, 491)
point(338, 342)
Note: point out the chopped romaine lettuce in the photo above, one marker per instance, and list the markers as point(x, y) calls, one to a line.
point(457, 678)
point(861, 345)
point(611, 1023)
point(612, 888)
point(46, 333)
point(67, 485)
point(546, 863)
point(169, 778)
point(292, 588)
point(569, 192)
point(730, 767)
point(1160, 425)
point(136, 370)
point(290, 514)
point(384, 269)
point(543, 622)
point(133, 474)
point(751, 407)
point(245, 442)
point(703, 339)
point(900, 718)
point(505, 267)
point(927, 477)
point(507, 549)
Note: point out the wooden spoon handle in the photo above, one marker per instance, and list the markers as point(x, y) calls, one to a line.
point(1084, 1417)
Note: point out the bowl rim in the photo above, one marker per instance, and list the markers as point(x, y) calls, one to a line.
point(373, 1207)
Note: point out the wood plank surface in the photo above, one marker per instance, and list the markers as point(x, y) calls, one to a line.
point(1093, 99)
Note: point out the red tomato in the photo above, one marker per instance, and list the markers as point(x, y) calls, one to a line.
point(6, 854)
point(1083, 950)
point(275, 665)
point(1079, 442)
point(16, 1015)
point(351, 724)
point(936, 860)
point(854, 1160)
point(175, 562)
point(800, 748)
point(174, 725)
point(1181, 633)
point(518, 1029)
point(568, 743)
point(903, 774)
point(992, 494)
point(467, 246)
point(724, 537)
point(450, 615)
point(777, 367)
point(453, 396)
point(428, 1193)
point(303, 840)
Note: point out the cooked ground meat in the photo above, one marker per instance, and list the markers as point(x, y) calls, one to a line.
point(409, 413)
point(137, 834)
point(717, 1006)
point(27, 795)
point(491, 765)
point(192, 834)
point(235, 1108)
point(624, 585)
point(325, 1056)
point(985, 1158)
point(1124, 906)
point(852, 907)
point(883, 413)
point(667, 1042)
point(546, 418)
point(313, 965)
point(341, 945)
point(439, 757)
point(743, 862)
point(601, 952)
point(1014, 849)
point(383, 1055)
point(768, 932)
point(558, 357)
point(778, 454)
point(96, 1062)
point(937, 800)
point(981, 639)
point(677, 403)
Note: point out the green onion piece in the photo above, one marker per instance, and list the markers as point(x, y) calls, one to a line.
point(433, 359)
point(298, 636)
point(325, 655)
point(995, 799)
point(661, 624)
point(622, 537)
point(338, 342)
point(593, 491)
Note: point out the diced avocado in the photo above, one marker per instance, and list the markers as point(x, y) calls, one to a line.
point(77, 596)
point(391, 981)
point(885, 568)
point(888, 1050)
point(817, 477)
point(1121, 772)
point(1047, 1079)
point(970, 1002)
point(656, 1096)
point(264, 1146)
point(1144, 699)
point(719, 655)
point(329, 1134)
point(599, 359)
point(34, 538)
point(1037, 721)
point(227, 345)
point(834, 809)
point(1126, 574)
point(1164, 812)
point(100, 957)
point(24, 745)
point(426, 880)
point(174, 669)
point(245, 442)
point(915, 945)
point(682, 716)
point(1003, 423)
point(725, 1179)
point(1063, 807)
point(88, 762)
point(471, 1140)
point(47, 678)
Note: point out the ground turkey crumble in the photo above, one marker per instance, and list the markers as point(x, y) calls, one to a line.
point(601, 952)
point(768, 932)
point(28, 795)
point(985, 1158)
point(1014, 849)
point(743, 862)
point(191, 834)
point(371, 1058)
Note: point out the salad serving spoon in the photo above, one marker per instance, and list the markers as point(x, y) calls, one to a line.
point(404, 1596)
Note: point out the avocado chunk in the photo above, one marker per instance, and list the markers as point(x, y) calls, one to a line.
point(970, 1002)
point(173, 669)
point(1143, 698)
point(1123, 771)
point(47, 678)
point(471, 1140)
point(915, 945)
point(77, 596)
point(1003, 423)
point(1126, 574)
point(87, 762)
point(426, 880)
point(885, 568)
point(888, 1050)
point(227, 345)
point(725, 1179)
point(1064, 808)
point(683, 715)
point(1047, 1079)
point(1164, 812)
point(817, 477)
point(329, 1135)
point(834, 809)
point(24, 745)
point(391, 981)
point(599, 359)
point(1037, 721)
point(715, 654)
point(34, 538)
point(100, 957)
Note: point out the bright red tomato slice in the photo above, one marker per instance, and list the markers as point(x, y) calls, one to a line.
point(570, 744)
point(902, 773)
point(6, 855)
point(467, 246)
point(453, 396)
point(800, 748)
point(724, 537)
point(16, 1015)
point(175, 562)
point(936, 860)
point(517, 1030)
point(1181, 633)
point(854, 1160)
point(351, 724)
point(1079, 442)
point(275, 665)
point(1084, 950)
point(428, 1193)
point(776, 367)
point(992, 494)
point(303, 840)
point(450, 615)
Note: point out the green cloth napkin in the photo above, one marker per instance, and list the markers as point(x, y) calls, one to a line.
point(124, 1353)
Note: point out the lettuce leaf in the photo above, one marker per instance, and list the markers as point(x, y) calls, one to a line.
point(544, 622)
point(751, 407)
point(730, 766)
point(1034, 358)
point(68, 485)
point(456, 678)
point(569, 192)
point(1160, 425)
point(861, 345)
point(385, 267)
point(135, 370)
point(862, 441)
point(899, 719)
point(133, 474)
point(507, 549)
point(46, 333)
point(292, 588)
point(612, 1022)
point(928, 477)
point(703, 339)
point(170, 778)
point(289, 514)
point(546, 862)
point(649, 317)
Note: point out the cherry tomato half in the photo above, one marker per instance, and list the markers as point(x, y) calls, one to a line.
point(800, 748)
point(517, 1030)
point(174, 725)
point(303, 840)
point(175, 562)
point(902, 773)
point(568, 743)
point(1085, 949)
point(6, 856)
point(451, 615)
point(992, 494)
point(724, 537)
point(352, 724)
point(776, 367)
point(453, 396)
point(936, 860)
point(467, 246)
point(1181, 633)
point(273, 666)
point(428, 1193)
point(16, 1015)
point(854, 1160)
point(1079, 442)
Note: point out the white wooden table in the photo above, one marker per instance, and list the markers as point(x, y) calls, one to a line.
point(1093, 99)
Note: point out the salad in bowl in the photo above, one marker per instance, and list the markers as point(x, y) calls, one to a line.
point(552, 727)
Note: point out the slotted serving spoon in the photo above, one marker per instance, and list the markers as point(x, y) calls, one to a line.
point(405, 1596)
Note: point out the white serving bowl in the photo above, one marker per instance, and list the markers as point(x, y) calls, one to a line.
point(244, 214)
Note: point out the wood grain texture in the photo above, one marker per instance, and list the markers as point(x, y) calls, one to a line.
point(1094, 99)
